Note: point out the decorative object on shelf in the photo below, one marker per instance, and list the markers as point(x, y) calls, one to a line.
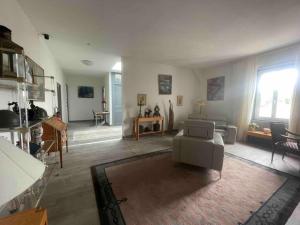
point(156, 111)
point(267, 130)
point(36, 113)
point(253, 126)
point(18, 171)
point(164, 84)
point(140, 110)
point(141, 99)
point(215, 89)
point(9, 119)
point(85, 92)
point(37, 91)
point(148, 112)
point(200, 103)
point(171, 117)
point(12, 60)
point(156, 126)
point(141, 129)
point(179, 100)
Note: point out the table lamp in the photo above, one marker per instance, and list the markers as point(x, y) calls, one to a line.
point(200, 103)
point(18, 171)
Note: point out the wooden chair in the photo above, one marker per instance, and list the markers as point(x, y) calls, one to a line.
point(96, 117)
point(284, 140)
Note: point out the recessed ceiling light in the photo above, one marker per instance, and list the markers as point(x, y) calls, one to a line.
point(87, 62)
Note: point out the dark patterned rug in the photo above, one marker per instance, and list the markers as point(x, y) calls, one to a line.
point(275, 210)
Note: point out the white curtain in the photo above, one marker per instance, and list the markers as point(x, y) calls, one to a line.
point(244, 73)
point(294, 123)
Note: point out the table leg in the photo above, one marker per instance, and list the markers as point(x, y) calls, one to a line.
point(162, 127)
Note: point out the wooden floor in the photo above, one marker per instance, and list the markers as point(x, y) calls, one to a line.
point(69, 196)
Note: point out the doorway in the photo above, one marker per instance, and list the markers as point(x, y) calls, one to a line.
point(116, 94)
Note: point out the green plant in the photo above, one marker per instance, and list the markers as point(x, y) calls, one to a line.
point(253, 126)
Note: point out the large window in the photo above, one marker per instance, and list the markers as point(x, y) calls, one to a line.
point(274, 92)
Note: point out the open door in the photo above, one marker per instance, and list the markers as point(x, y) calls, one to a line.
point(116, 93)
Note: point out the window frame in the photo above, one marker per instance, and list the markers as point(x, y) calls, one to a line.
point(260, 71)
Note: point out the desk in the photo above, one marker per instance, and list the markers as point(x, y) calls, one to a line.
point(139, 120)
point(101, 114)
point(28, 217)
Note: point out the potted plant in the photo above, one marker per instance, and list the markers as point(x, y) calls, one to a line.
point(253, 126)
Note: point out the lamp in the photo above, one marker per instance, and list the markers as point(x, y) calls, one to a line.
point(200, 103)
point(18, 171)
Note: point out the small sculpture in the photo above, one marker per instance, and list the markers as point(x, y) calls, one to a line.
point(171, 117)
point(148, 112)
point(156, 111)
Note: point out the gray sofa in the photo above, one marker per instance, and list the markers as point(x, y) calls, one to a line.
point(198, 144)
point(228, 132)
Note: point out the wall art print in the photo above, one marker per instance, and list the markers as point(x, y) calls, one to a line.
point(215, 89)
point(164, 84)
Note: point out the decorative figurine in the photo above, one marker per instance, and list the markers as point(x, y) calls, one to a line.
point(156, 111)
point(148, 112)
point(171, 117)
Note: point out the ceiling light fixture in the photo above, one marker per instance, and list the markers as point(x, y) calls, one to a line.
point(87, 62)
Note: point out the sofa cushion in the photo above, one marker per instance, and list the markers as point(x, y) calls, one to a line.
point(199, 128)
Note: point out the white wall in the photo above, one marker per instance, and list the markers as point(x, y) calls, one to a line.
point(234, 82)
point(24, 34)
point(142, 77)
point(81, 108)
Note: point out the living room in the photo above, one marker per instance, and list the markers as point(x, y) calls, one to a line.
point(199, 124)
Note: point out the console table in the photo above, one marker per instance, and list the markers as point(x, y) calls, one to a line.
point(140, 120)
point(28, 217)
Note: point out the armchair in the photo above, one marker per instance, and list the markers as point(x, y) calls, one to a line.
point(283, 139)
point(197, 144)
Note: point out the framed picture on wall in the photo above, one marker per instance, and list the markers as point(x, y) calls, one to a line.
point(165, 84)
point(85, 92)
point(35, 75)
point(141, 99)
point(215, 89)
point(179, 100)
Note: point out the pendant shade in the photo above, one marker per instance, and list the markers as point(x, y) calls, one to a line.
point(18, 171)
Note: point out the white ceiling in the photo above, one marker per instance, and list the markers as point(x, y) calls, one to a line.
point(178, 32)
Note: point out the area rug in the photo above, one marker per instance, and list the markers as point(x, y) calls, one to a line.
point(153, 190)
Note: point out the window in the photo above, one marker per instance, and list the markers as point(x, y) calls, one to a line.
point(274, 92)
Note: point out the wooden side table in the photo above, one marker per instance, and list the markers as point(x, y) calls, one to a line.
point(260, 138)
point(28, 217)
point(139, 120)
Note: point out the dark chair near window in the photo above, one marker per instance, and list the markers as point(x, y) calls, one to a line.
point(284, 140)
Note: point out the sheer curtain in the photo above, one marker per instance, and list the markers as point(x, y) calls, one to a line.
point(294, 123)
point(244, 73)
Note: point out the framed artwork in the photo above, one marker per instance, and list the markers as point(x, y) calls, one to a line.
point(35, 74)
point(179, 100)
point(85, 92)
point(165, 84)
point(215, 89)
point(141, 99)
